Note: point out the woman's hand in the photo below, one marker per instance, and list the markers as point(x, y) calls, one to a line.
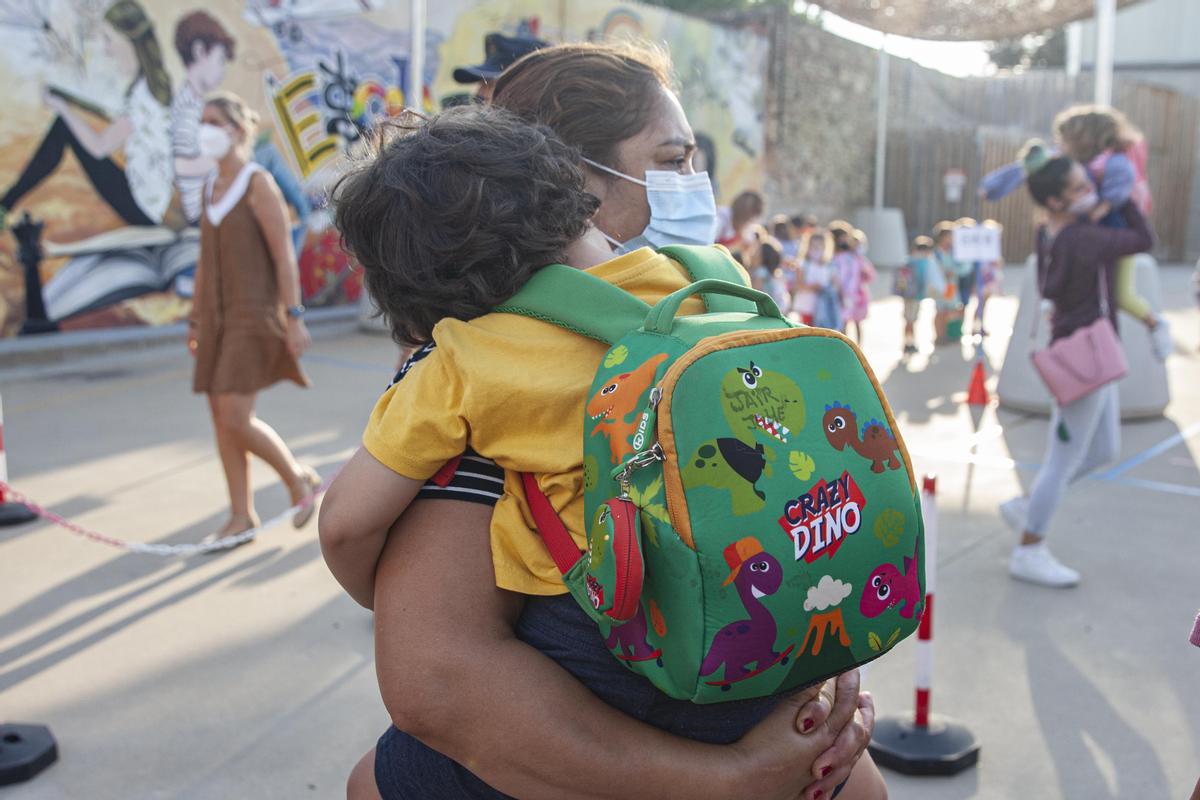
point(192, 341)
point(810, 742)
point(297, 337)
point(834, 765)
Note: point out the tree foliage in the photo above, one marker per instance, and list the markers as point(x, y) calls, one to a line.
point(1035, 51)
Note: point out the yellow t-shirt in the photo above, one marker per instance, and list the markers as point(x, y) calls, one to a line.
point(513, 389)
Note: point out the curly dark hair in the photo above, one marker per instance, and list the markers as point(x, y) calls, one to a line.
point(452, 216)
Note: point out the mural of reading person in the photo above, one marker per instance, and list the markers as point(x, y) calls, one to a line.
point(205, 46)
point(141, 191)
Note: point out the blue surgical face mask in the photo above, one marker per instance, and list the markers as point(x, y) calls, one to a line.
point(682, 209)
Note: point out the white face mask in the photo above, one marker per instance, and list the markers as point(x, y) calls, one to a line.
point(682, 209)
point(214, 141)
point(1084, 203)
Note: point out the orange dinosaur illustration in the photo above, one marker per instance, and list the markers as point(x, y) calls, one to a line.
point(876, 444)
point(614, 408)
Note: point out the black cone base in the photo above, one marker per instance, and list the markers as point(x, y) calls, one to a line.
point(25, 750)
point(15, 514)
point(944, 748)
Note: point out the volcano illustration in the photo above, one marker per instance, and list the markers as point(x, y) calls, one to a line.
point(825, 627)
point(824, 650)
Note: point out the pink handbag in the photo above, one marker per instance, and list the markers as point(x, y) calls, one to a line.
point(1079, 364)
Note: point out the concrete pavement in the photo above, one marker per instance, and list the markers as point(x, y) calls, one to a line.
point(250, 674)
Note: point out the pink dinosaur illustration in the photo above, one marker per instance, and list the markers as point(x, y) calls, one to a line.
point(888, 587)
point(617, 400)
point(743, 642)
point(877, 444)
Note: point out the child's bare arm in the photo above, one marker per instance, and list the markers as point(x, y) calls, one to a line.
point(357, 512)
point(1102, 210)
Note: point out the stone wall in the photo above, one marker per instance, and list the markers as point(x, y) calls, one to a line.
point(820, 121)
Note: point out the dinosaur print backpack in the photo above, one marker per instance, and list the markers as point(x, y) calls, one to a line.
point(753, 520)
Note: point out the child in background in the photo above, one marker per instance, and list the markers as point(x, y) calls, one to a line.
point(781, 229)
point(813, 276)
point(912, 283)
point(968, 271)
point(789, 248)
point(858, 304)
point(990, 277)
point(775, 283)
point(803, 226)
point(849, 270)
point(948, 307)
point(748, 255)
point(1114, 152)
point(734, 221)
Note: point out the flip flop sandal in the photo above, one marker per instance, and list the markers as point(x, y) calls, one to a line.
point(305, 514)
point(212, 538)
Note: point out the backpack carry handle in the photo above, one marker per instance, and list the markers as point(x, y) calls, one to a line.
point(662, 316)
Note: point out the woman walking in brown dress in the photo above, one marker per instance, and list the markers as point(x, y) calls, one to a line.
point(247, 329)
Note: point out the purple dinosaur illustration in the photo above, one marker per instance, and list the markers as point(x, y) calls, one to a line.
point(743, 642)
point(628, 640)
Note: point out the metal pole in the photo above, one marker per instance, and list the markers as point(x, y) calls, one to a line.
point(881, 110)
point(1074, 48)
point(1106, 38)
point(415, 91)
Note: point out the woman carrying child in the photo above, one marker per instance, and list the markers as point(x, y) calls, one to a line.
point(1075, 259)
point(468, 636)
point(1114, 154)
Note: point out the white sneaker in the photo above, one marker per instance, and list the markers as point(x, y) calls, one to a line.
point(1160, 340)
point(1036, 564)
point(1015, 512)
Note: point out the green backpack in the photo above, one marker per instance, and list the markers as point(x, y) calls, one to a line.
point(754, 521)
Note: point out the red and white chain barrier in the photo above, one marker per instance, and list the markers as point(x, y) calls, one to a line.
point(189, 549)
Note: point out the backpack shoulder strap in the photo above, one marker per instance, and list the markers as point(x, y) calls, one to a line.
point(578, 302)
point(706, 261)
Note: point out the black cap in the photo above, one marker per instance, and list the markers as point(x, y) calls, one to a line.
point(499, 51)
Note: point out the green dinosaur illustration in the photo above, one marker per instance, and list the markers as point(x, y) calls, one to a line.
point(763, 402)
point(730, 464)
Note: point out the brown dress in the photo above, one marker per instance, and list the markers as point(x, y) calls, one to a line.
point(241, 320)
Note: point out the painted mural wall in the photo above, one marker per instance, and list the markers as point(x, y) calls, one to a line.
point(102, 104)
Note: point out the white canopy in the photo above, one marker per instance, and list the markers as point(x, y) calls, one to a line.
point(962, 20)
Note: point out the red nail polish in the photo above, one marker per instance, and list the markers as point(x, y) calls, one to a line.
point(817, 794)
point(808, 723)
point(826, 771)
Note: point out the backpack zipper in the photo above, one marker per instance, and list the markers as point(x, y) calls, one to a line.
point(627, 592)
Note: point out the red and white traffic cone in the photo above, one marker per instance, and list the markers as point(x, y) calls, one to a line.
point(925, 744)
point(10, 513)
